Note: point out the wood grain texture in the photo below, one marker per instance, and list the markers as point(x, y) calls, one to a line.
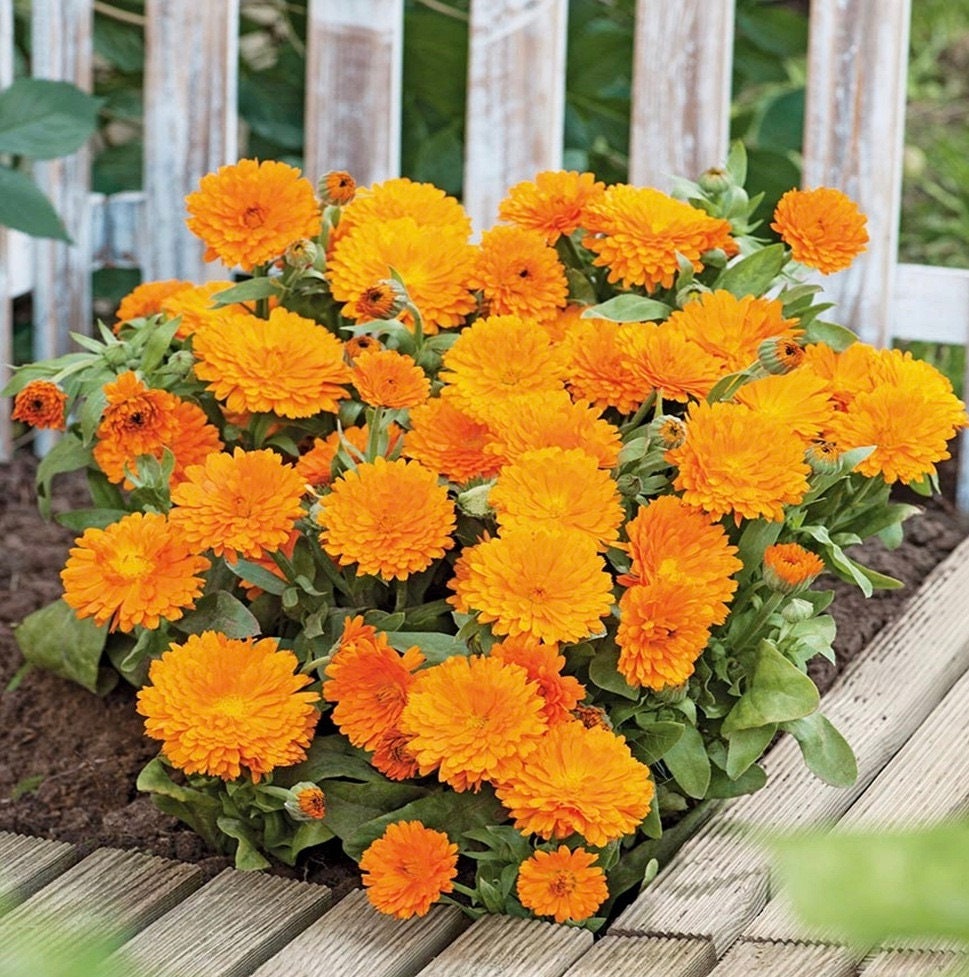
point(912, 963)
point(501, 946)
point(108, 895)
point(28, 864)
point(353, 939)
point(516, 99)
point(645, 956)
point(353, 88)
point(785, 960)
point(681, 89)
point(853, 140)
point(191, 71)
point(718, 881)
point(225, 929)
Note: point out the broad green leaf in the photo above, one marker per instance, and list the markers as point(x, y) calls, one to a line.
point(67, 455)
point(219, 612)
point(257, 576)
point(826, 752)
point(837, 337)
point(350, 807)
point(749, 782)
point(746, 746)
point(55, 639)
point(308, 835)
point(159, 340)
point(688, 762)
point(247, 291)
point(778, 692)
point(754, 274)
point(195, 808)
point(782, 123)
point(656, 738)
point(248, 858)
point(24, 208)
point(758, 534)
point(580, 288)
point(43, 119)
point(434, 645)
point(77, 520)
point(329, 757)
point(872, 886)
point(628, 308)
point(604, 672)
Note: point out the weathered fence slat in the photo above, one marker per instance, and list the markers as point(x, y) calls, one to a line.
point(354, 57)
point(681, 89)
point(28, 864)
point(190, 124)
point(645, 956)
point(516, 99)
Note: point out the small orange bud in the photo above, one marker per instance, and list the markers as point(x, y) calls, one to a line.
point(337, 188)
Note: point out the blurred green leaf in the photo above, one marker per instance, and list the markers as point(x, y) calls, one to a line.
point(24, 208)
point(44, 119)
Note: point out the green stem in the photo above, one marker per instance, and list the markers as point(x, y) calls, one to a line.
point(400, 595)
point(640, 415)
point(761, 618)
point(375, 417)
point(262, 305)
point(569, 253)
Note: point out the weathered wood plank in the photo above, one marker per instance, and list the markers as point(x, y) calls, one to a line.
point(853, 140)
point(931, 304)
point(353, 87)
point(190, 124)
point(645, 956)
point(28, 864)
point(911, 963)
point(353, 939)
point(681, 89)
point(502, 946)
point(718, 881)
point(787, 959)
point(516, 99)
point(108, 895)
point(225, 929)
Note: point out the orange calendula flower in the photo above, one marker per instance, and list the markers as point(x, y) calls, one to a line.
point(137, 571)
point(425, 203)
point(578, 780)
point(553, 203)
point(664, 358)
point(285, 364)
point(468, 716)
point(560, 693)
point(823, 228)
point(368, 680)
point(545, 582)
point(558, 487)
point(392, 755)
point(789, 567)
point(142, 421)
point(249, 212)
point(146, 299)
point(363, 343)
point(519, 274)
point(732, 329)
point(434, 262)
point(391, 518)
point(598, 369)
point(316, 465)
point(799, 400)
point(447, 440)
point(498, 357)
point(408, 869)
point(663, 629)
point(337, 188)
point(737, 461)
point(41, 404)
point(673, 541)
point(196, 306)
point(637, 233)
point(564, 884)
point(386, 378)
point(223, 706)
point(240, 504)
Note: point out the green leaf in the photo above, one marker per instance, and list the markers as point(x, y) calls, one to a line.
point(351, 807)
point(248, 858)
point(327, 758)
point(754, 274)
point(78, 520)
point(782, 124)
point(656, 738)
point(434, 645)
point(580, 288)
point(604, 672)
point(872, 886)
point(247, 291)
point(67, 455)
point(258, 576)
point(778, 692)
point(43, 119)
point(746, 746)
point(628, 308)
point(688, 762)
point(308, 835)
point(219, 612)
point(758, 534)
point(24, 208)
point(159, 340)
point(56, 639)
point(826, 752)
point(837, 337)
point(749, 782)
point(195, 808)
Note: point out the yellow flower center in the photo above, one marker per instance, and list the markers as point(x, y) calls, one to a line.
point(562, 885)
point(233, 706)
point(130, 565)
point(254, 216)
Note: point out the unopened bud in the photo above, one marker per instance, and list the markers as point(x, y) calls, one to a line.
point(306, 802)
point(779, 355)
point(714, 180)
point(474, 501)
point(669, 430)
point(301, 254)
point(337, 188)
point(363, 343)
point(385, 300)
point(823, 457)
point(790, 568)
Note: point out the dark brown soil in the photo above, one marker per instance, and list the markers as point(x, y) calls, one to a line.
point(69, 760)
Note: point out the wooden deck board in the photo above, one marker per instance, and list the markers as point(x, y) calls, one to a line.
point(502, 946)
point(645, 956)
point(912, 963)
point(718, 882)
point(28, 864)
point(785, 960)
point(109, 895)
point(353, 940)
point(225, 929)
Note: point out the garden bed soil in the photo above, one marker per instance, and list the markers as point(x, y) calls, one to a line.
point(69, 760)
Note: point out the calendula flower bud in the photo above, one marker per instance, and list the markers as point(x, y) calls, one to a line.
point(779, 355)
point(336, 188)
point(306, 802)
point(180, 363)
point(797, 610)
point(669, 430)
point(301, 254)
point(474, 501)
point(591, 716)
point(789, 568)
point(356, 345)
point(823, 457)
point(385, 300)
point(714, 180)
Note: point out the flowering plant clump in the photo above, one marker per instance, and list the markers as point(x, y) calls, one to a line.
point(491, 561)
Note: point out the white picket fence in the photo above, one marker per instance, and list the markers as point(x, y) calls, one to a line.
point(514, 123)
